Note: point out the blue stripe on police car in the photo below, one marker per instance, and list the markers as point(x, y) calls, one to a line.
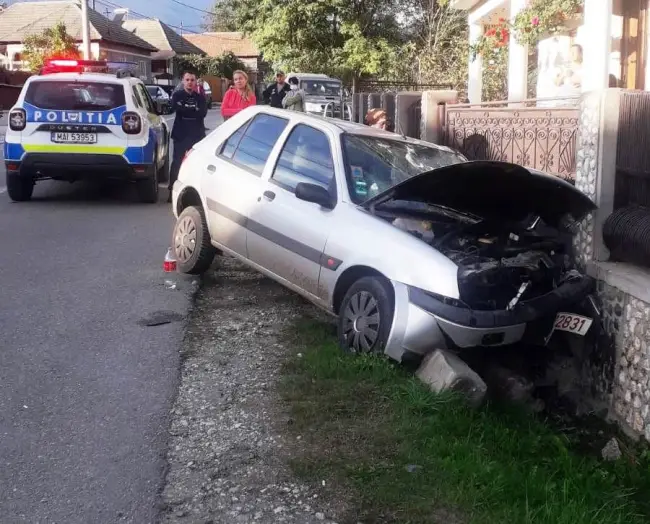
point(50, 116)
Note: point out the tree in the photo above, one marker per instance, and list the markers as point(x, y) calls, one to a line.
point(51, 42)
point(223, 66)
point(347, 38)
point(439, 43)
point(224, 17)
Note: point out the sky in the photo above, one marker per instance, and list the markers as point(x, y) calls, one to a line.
point(169, 11)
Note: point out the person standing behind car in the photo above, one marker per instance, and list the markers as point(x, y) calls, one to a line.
point(238, 97)
point(274, 94)
point(294, 99)
point(189, 125)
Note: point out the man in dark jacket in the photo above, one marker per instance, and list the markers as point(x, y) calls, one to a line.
point(274, 94)
point(190, 107)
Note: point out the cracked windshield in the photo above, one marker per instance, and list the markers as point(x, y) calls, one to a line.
point(365, 262)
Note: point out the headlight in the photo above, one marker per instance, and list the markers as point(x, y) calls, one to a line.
point(419, 296)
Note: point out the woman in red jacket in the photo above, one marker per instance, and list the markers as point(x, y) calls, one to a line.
point(238, 97)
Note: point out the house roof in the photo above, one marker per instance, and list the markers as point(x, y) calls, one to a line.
point(160, 35)
point(216, 44)
point(27, 18)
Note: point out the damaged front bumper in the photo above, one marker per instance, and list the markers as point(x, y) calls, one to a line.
point(424, 321)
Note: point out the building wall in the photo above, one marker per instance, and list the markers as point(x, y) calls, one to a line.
point(120, 54)
point(616, 366)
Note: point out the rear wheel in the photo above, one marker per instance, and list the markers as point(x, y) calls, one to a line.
point(163, 174)
point(366, 316)
point(20, 188)
point(191, 242)
point(148, 187)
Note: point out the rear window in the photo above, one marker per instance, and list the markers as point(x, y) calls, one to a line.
point(71, 96)
point(153, 90)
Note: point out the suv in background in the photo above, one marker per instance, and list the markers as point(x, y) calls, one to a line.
point(70, 124)
point(162, 99)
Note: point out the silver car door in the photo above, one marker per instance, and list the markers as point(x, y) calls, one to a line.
point(286, 235)
point(233, 179)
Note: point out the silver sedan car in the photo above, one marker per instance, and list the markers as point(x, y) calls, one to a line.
point(411, 246)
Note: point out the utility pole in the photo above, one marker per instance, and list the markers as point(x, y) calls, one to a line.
point(85, 29)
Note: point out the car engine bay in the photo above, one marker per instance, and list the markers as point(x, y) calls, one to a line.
point(499, 264)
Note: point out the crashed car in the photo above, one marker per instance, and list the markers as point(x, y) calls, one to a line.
point(410, 245)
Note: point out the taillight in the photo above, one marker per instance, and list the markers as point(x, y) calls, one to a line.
point(131, 123)
point(17, 119)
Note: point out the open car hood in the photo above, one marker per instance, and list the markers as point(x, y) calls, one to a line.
point(492, 191)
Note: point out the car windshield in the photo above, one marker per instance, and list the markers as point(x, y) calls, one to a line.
point(321, 87)
point(71, 96)
point(375, 164)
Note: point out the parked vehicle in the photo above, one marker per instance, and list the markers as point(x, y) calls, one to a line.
point(321, 92)
point(160, 97)
point(70, 124)
point(412, 246)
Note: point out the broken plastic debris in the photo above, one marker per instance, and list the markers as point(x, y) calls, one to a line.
point(170, 284)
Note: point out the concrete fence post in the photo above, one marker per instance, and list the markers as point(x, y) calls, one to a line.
point(431, 126)
point(405, 102)
point(596, 146)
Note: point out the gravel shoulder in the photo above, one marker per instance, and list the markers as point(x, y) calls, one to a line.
point(228, 450)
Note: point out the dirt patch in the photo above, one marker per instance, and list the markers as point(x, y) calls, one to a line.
point(229, 447)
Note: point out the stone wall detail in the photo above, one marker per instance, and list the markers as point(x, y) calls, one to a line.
point(631, 393)
point(587, 153)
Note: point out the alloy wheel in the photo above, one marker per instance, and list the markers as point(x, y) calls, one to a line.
point(185, 239)
point(361, 322)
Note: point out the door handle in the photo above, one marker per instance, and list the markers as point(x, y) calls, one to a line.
point(212, 168)
point(269, 195)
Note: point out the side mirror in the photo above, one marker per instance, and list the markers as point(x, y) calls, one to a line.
point(315, 194)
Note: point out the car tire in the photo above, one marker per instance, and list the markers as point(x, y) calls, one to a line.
point(191, 242)
point(20, 188)
point(148, 187)
point(366, 316)
point(163, 174)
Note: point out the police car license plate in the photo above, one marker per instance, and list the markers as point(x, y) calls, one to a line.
point(572, 323)
point(74, 138)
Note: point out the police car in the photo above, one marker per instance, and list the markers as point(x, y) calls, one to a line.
point(78, 120)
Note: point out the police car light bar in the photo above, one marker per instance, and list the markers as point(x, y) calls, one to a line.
point(66, 65)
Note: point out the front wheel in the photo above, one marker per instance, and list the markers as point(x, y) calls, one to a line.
point(366, 316)
point(192, 247)
point(20, 188)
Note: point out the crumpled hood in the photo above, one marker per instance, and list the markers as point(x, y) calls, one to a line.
point(492, 191)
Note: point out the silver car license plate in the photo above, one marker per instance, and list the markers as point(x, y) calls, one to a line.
point(74, 138)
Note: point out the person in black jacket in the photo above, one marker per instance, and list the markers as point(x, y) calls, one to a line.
point(274, 94)
point(191, 108)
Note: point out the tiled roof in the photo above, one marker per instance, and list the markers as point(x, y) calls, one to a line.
point(162, 36)
point(27, 18)
point(216, 44)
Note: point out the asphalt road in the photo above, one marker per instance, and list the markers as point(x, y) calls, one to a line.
point(85, 386)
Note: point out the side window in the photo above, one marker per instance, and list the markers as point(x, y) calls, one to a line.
point(305, 157)
point(230, 146)
point(146, 99)
point(136, 96)
point(257, 142)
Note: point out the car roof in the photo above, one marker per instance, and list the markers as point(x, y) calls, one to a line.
point(344, 126)
point(89, 77)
